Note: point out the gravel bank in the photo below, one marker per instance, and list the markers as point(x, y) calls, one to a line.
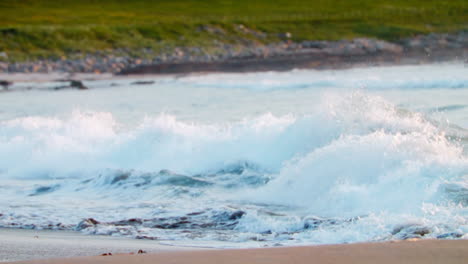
point(254, 57)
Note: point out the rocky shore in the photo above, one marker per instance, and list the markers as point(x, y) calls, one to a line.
point(284, 55)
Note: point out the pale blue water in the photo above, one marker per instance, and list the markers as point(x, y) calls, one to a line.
point(243, 160)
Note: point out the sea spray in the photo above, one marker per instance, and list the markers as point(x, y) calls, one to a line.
point(353, 167)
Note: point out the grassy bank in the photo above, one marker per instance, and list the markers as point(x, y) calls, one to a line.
point(31, 29)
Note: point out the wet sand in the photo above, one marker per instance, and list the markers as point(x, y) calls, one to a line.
point(429, 251)
point(29, 246)
point(22, 244)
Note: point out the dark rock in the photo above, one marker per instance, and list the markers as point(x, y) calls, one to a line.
point(73, 84)
point(86, 223)
point(312, 223)
point(421, 231)
point(236, 215)
point(410, 231)
point(120, 177)
point(176, 225)
point(314, 44)
point(223, 220)
point(5, 84)
point(196, 213)
point(146, 237)
point(131, 221)
point(449, 235)
point(78, 84)
point(142, 82)
point(384, 46)
point(257, 239)
point(207, 225)
point(93, 221)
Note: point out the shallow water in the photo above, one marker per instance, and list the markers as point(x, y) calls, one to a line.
point(242, 160)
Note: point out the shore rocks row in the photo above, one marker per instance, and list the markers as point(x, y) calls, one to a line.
point(110, 63)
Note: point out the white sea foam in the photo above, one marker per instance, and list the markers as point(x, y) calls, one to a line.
point(452, 76)
point(353, 167)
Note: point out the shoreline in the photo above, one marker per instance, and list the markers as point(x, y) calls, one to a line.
point(409, 251)
point(310, 61)
point(282, 56)
point(61, 77)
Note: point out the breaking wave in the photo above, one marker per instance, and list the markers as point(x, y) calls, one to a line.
point(356, 169)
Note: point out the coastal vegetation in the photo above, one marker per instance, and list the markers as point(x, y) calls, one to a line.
point(42, 29)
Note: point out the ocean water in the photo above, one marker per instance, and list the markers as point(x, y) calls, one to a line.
point(242, 160)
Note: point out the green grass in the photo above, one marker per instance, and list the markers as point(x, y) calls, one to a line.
point(31, 29)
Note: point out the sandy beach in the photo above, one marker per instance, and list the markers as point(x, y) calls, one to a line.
point(26, 244)
point(425, 251)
